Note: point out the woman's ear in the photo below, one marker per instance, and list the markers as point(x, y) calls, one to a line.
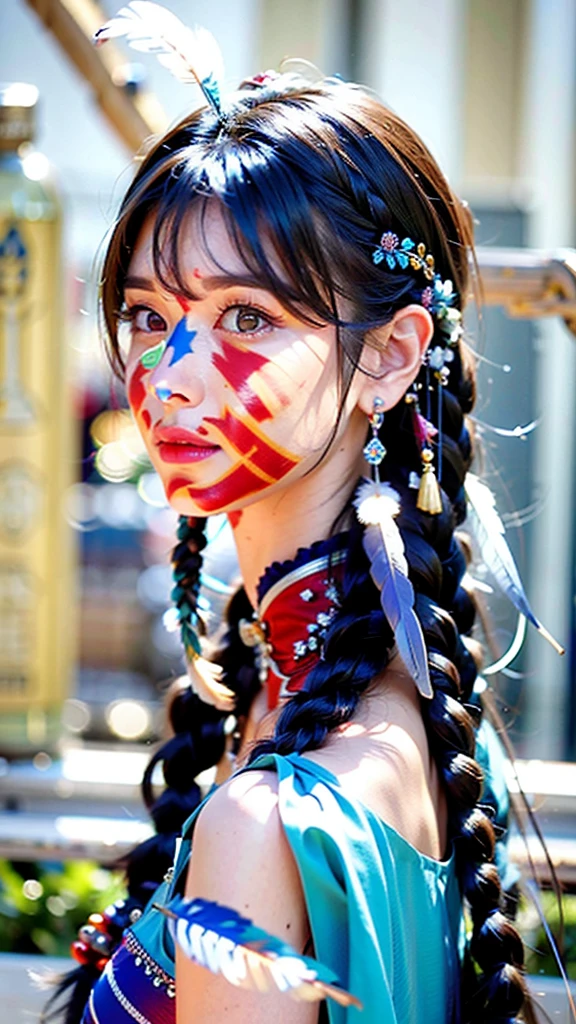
point(392, 357)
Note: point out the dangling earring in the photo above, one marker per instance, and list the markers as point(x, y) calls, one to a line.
point(377, 505)
point(429, 498)
point(374, 451)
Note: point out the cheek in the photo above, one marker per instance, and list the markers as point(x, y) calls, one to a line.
point(255, 380)
point(311, 375)
point(136, 389)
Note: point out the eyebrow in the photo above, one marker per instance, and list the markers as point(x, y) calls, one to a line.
point(211, 283)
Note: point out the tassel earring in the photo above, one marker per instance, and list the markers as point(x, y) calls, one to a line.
point(429, 498)
point(377, 505)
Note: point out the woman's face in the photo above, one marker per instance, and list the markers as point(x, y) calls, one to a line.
point(233, 395)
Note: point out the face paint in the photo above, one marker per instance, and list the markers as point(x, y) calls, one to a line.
point(259, 463)
point(235, 517)
point(239, 365)
point(180, 342)
point(136, 389)
point(153, 356)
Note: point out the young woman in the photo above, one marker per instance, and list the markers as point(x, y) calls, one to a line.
point(277, 293)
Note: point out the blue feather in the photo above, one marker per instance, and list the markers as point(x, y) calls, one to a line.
point(220, 939)
point(376, 506)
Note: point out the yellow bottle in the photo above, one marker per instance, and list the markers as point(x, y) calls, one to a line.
point(36, 597)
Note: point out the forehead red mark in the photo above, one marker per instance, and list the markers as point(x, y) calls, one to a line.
point(183, 303)
point(136, 390)
point(238, 365)
point(197, 274)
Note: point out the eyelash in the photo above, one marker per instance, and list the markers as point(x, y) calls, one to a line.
point(129, 314)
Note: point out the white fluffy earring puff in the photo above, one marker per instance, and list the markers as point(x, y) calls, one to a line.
point(377, 504)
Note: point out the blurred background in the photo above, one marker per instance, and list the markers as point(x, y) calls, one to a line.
point(85, 534)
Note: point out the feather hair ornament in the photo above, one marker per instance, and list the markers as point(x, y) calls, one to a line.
point(489, 530)
point(217, 937)
point(377, 504)
point(192, 55)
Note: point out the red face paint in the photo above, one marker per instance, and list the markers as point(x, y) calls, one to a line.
point(269, 460)
point(234, 518)
point(238, 365)
point(183, 303)
point(136, 389)
point(197, 274)
point(262, 464)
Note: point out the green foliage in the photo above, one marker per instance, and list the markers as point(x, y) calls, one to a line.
point(43, 905)
point(539, 958)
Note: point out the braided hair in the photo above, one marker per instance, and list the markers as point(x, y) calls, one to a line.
point(307, 177)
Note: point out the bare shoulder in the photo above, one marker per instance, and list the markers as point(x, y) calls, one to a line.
point(241, 858)
point(241, 855)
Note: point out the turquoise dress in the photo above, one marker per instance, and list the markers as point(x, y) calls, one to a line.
point(385, 917)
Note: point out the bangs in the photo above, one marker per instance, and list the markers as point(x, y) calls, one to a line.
point(278, 235)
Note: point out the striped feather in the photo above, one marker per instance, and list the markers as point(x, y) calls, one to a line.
point(218, 938)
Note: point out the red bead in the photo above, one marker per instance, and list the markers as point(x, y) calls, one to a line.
point(81, 952)
point(98, 922)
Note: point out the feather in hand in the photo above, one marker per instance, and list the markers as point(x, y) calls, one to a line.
point(376, 506)
point(217, 937)
point(192, 55)
point(489, 531)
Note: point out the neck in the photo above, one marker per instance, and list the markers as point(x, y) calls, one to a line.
point(272, 529)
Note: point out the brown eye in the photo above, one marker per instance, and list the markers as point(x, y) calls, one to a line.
point(248, 320)
point(243, 320)
point(148, 321)
point(145, 320)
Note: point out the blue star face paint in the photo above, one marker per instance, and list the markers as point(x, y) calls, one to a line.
point(180, 342)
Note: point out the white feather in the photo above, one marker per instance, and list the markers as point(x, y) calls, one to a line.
point(192, 55)
point(489, 530)
point(376, 507)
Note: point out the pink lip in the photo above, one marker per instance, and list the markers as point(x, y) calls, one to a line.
point(177, 445)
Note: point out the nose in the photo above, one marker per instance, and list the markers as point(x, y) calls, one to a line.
point(171, 379)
